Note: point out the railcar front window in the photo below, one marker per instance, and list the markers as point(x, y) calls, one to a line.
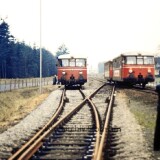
point(80, 62)
point(139, 60)
point(130, 60)
point(72, 63)
point(65, 62)
point(148, 60)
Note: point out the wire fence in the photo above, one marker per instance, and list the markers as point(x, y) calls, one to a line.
point(11, 84)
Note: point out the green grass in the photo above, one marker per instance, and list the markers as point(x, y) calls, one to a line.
point(145, 119)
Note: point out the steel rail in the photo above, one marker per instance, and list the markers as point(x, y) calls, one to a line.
point(105, 129)
point(39, 142)
point(97, 122)
point(97, 129)
point(91, 95)
point(55, 115)
point(83, 95)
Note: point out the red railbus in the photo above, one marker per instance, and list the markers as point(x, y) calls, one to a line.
point(131, 68)
point(72, 70)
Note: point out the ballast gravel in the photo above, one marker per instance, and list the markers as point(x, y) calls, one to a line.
point(131, 141)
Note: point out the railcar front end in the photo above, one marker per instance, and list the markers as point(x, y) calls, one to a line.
point(72, 71)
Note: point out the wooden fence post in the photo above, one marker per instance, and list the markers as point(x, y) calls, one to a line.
point(10, 84)
point(15, 84)
point(5, 85)
point(18, 83)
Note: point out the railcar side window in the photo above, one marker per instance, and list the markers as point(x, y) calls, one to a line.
point(80, 62)
point(65, 62)
point(148, 60)
point(117, 63)
point(59, 63)
point(130, 60)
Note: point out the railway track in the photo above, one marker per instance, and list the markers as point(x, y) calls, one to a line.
point(77, 130)
point(135, 87)
point(145, 90)
point(98, 79)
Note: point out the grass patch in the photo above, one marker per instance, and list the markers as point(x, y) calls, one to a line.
point(145, 116)
point(16, 104)
point(144, 108)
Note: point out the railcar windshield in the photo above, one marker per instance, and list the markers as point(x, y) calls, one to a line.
point(72, 62)
point(139, 60)
point(148, 60)
point(65, 62)
point(80, 62)
point(130, 60)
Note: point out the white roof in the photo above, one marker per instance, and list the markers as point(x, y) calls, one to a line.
point(138, 53)
point(70, 56)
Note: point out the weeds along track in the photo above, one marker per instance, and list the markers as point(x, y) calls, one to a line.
point(74, 131)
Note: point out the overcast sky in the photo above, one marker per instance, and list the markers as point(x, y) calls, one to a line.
point(99, 29)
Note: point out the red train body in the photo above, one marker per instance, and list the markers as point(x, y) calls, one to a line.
point(135, 68)
point(72, 70)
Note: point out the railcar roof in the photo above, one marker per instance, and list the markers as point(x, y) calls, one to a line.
point(66, 56)
point(108, 62)
point(137, 54)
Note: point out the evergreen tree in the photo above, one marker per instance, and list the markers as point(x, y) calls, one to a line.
point(18, 60)
point(6, 44)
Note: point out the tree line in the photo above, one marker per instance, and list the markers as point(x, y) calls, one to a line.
point(19, 60)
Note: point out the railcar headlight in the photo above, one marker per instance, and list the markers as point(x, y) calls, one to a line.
point(130, 70)
point(149, 70)
point(63, 73)
point(80, 72)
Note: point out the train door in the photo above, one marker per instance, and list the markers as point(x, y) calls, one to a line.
point(117, 66)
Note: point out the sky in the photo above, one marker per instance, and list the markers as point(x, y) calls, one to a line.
point(98, 29)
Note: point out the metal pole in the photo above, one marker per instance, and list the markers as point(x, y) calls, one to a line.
point(40, 48)
point(157, 127)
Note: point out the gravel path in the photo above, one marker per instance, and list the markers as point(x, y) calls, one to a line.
point(131, 141)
